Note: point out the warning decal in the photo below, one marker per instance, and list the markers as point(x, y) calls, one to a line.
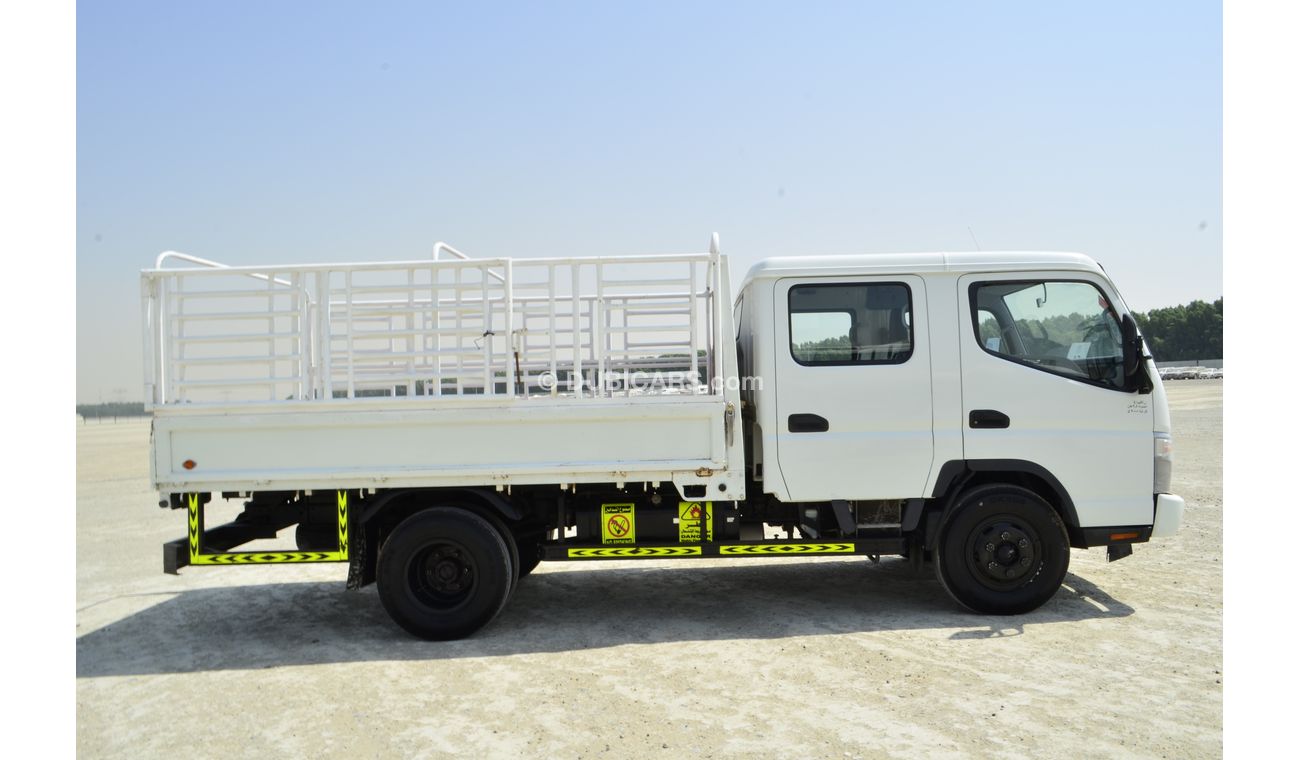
point(688, 521)
point(617, 524)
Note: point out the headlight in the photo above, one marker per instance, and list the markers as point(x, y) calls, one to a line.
point(1164, 462)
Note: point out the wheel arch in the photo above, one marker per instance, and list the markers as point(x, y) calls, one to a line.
point(387, 510)
point(485, 499)
point(957, 476)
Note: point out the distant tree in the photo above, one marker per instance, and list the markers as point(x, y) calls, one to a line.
point(113, 409)
point(1184, 333)
point(1176, 333)
point(836, 349)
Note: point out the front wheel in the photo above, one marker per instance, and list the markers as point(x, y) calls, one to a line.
point(1004, 551)
point(444, 573)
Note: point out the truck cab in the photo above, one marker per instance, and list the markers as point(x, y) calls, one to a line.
point(902, 377)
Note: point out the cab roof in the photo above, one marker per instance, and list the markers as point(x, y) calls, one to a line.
point(915, 263)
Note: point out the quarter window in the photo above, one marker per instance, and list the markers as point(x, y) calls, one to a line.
point(989, 332)
point(1067, 328)
point(850, 324)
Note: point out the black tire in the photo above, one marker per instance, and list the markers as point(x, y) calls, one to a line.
point(530, 556)
point(529, 541)
point(512, 546)
point(444, 573)
point(1028, 558)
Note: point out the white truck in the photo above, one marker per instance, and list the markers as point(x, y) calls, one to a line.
point(443, 425)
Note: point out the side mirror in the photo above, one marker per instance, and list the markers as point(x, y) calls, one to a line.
point(1135, 376)
point(1132, 345)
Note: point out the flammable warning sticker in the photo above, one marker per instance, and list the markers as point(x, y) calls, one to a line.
point(617, 524)
point(688, 521)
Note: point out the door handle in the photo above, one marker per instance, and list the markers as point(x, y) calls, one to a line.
point(989, 418)
point(808, 423)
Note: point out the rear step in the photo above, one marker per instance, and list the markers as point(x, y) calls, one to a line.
point(212, 547)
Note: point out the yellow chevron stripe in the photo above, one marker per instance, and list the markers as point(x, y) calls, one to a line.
point(194, 526)
point(787, 549)
point(266, 558)
point(343, 525)
point(646, 552)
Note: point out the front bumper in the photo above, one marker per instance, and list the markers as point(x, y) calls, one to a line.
point(1169, 515)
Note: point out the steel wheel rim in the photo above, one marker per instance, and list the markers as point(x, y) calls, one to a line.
point(1003, 552)
point(442, 575)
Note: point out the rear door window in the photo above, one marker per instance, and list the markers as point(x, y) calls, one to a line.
point(850, 323)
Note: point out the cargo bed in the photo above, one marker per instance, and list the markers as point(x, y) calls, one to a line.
point(443, 372)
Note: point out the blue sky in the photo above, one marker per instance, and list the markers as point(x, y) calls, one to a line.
point(295, 132)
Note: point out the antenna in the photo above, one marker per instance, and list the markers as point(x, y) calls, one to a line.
point(972, 237)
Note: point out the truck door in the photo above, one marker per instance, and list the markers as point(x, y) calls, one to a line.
point(1043, 382)
point(853, 387)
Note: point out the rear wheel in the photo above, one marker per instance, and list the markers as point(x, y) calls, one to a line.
point(529, 541)
point(1004, 551)
point(530, 555)
point(444, 573)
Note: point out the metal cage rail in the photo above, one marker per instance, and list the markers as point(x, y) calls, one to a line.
point(443, 327)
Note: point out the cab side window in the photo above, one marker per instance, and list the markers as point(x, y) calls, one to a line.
point(1066, 328)
point(850, 323)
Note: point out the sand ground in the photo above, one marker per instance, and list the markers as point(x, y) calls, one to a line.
point(777, 657)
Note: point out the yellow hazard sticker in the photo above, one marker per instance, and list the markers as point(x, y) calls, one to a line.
point(787, 549)
point(617, 524)
point(648, 552)
point(689, 514)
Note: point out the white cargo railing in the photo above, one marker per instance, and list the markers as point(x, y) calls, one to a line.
point(525, 328)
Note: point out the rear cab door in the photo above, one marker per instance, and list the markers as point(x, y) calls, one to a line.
point(853, 387)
